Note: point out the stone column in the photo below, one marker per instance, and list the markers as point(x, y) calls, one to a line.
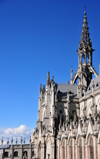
point(76, 151)
point(69, 152)
point(42, 151)
point(95, 148)
point(87, 152)
point(98, 152)
point(57, 149)
point(78, 154)
point(62, 147)
point(36, 151)
point(12, 153)
point(73, 147)
point(21, 150)
point(60, 152)
point(83, 148)
point(30, 150)
point(65, 149)
point(52, 151)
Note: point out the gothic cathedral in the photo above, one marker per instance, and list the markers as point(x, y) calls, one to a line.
point(68, 125)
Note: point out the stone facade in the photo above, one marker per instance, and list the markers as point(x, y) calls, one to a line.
point(68, 124)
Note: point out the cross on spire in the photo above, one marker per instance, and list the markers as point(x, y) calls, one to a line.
point(85, 8)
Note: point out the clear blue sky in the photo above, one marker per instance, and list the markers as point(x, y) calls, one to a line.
point(37, 36)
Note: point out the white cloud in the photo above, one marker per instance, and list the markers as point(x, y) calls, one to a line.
point(22, 130)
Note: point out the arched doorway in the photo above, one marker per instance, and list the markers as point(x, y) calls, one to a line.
point(91, 149)
point(39, 151)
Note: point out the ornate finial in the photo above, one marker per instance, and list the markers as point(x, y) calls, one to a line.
point(30, 139)
point(21, 140)
point(16, 141)
point(12, 140)
point(8, 141)
point(24, 141)
point(85, 11)
point(2, 141)
point(71, 69)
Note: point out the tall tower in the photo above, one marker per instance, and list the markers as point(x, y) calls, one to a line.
point(85, 68)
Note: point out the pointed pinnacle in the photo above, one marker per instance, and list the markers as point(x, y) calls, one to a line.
point(48, 78)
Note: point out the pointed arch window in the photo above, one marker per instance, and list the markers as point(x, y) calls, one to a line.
point(5, 154)
point(15, 153)
point(25, 154)
point(32, 153)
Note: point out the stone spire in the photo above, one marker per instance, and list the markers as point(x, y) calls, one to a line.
point(85, 45)
point(85, 68)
